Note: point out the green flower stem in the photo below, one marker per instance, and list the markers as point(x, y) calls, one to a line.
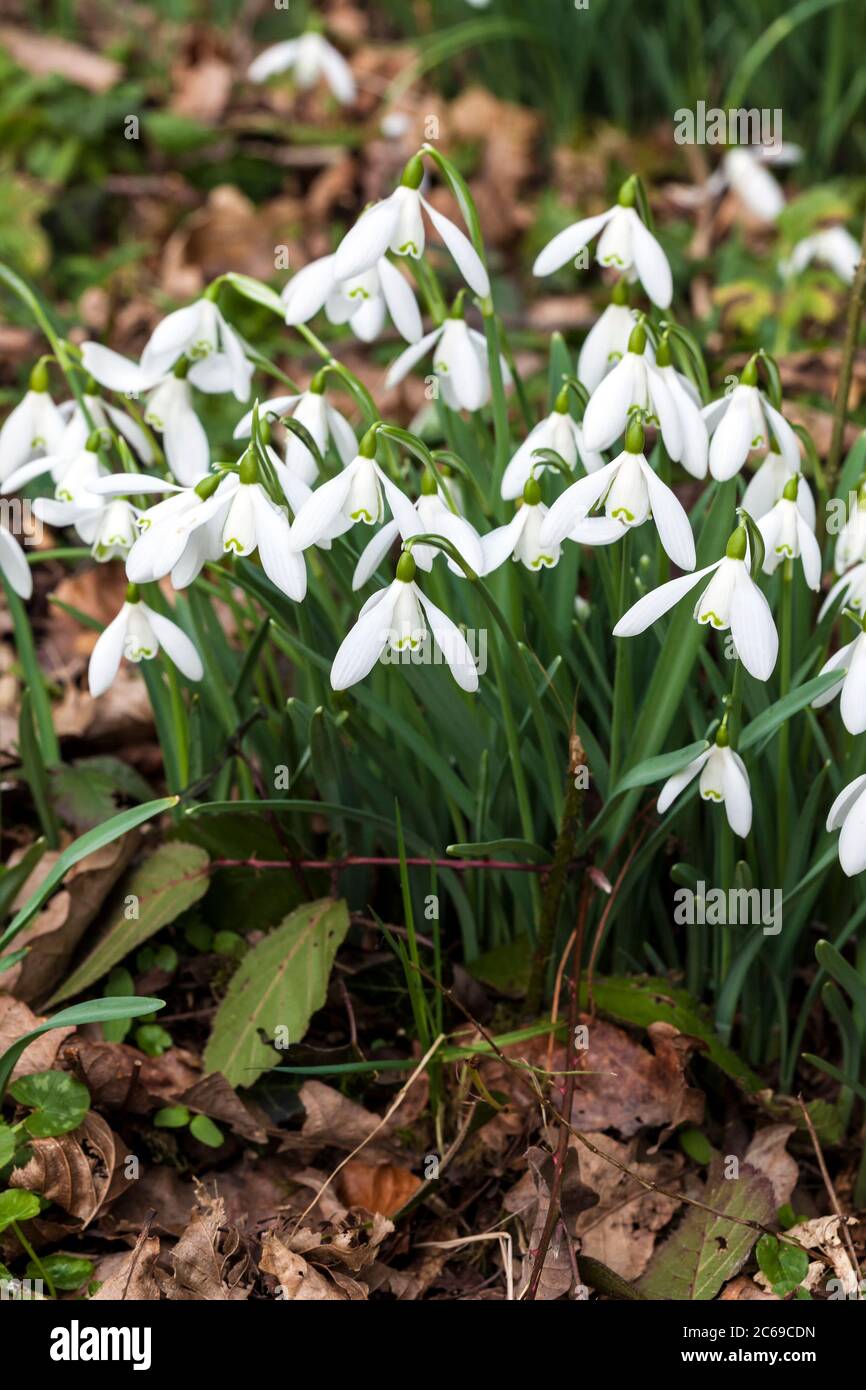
point(501, 432)
point(28, 1249)
point(782, 772)
point(622, 667)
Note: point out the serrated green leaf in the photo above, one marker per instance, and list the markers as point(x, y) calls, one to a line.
point(280, 983)
point(168, 882)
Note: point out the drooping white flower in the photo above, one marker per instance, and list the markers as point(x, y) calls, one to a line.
point(634, 384)
point(137, 633)
point(606, 343)
point(724, 779)
point(399, 618)
point(630, 490)
point(745, 171)
point(308, 58)
point(396, 224)
point(695, 440)
point(731, 600)
point(851, 542)
point(321, 419)
point(850, 662)
point(434, 517)
point(34, 427)
point(743, 421)
point(74, 460)
point(72, 474)
point(14, 564)
point(787, 536)
point(459, 361)
point(848, 813)
point(200, 333)
point(522, 537)
point(106, 524)
point(179, 534)
point(557, 431)
point(625, 244)
point(254, 522)
point(168, 407)
point(832, 246)
point(357, 494)
point(361, 301)
point(852, 588)
point(767, 484)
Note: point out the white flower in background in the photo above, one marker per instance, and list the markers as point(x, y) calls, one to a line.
point(34, 427)
point(848, 813)
point(361, 301)
point(72, 474)
point(724, 779)
point(168, 407)
point(322, 420)
point(396, 224)
point(787, 535)
point(137, 633)
point(200, 333)
point(357, 494)
point(634, 384)
point(630, 491)
point(459, 361)
point(731, 600)
point(832, 246)
point(625, 244)
point(13, 564)
point(107, 525)
point(397, 618)
point(852, 587)
point(308, 58)
point(557, 431)
point(767, 484)
point(850, 662)
point(607, 341)
point(743, 421)
point(521, 539)
point(745, 171)
point(851, 542)
point(434, 517)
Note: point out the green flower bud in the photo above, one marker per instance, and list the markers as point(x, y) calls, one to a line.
point(737, 544)
point(620, 292)
point(213, 289)
point(637, 339)
point(181, 367)
point(249, 470)
point(133, 594)
point(560, 405)
point(413, 172)
point(791, 486)
point(531, 492)
point(39, 376)
point(94, 442)
point(456, 310)
point(317, 385)
point(749, 374)
point(635, 437)
point(429, 487)
point(664, 357)
point(206, 487)
point(627, 195)
point(722, 738)
point(367, 446)
point(406, 568)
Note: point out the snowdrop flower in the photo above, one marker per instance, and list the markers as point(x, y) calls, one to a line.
point(323, 422)
point(72, 474)
point(361, 301)
point(168, 407)
point(607, 341)
point(625, 244)
point(396, 224)
point(767, 484)
point(200, 333)
point(254, 522)
point(724, 779)
point(787, 536)
point(743, 421)
point(744, 170)
point(832, 246)
point(635, 384)
point(522, 538)
point(850, 662)
point(14, 566)
point(137, 633)
point(459, 361)
point(308, 58)
point(107, 525)
point(434, 517)
point(848, 813)
point(731, 600)
point(852, 588)
point(557, 431)
point(397, 618)
point(356, 494)
point(695, 440)
point(178, 534)
point(34, 427)
point(74, 461)
point(630, 490)
point(851, 543)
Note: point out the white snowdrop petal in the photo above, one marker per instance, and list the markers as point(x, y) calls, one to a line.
point(660, 601)
point(738, 800)
point(176, 645)
point(844, 801)
point(452, 644)
point(363, 645)
point(14, 564)
point(651, 263)
point(671, 521)
point(106, 655)
point(752, 628)
point(374, 553)
point(565, 245)
point(306, 292)
point(402, 365)
point(572, 505)
point(679, 781)
point(853, 703)
point(366, 242)
point(401, 302)
point(465, 257)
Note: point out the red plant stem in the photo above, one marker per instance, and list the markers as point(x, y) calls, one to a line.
point(352, 860)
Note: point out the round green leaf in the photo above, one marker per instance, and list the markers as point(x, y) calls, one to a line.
point(171, 1117)
point(205, 1131)
point(59, 1102)
point(65, 1271)
point(17, 1205)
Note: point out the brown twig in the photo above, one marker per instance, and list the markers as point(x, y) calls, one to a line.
point(828, 1183)
point(387, 861)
